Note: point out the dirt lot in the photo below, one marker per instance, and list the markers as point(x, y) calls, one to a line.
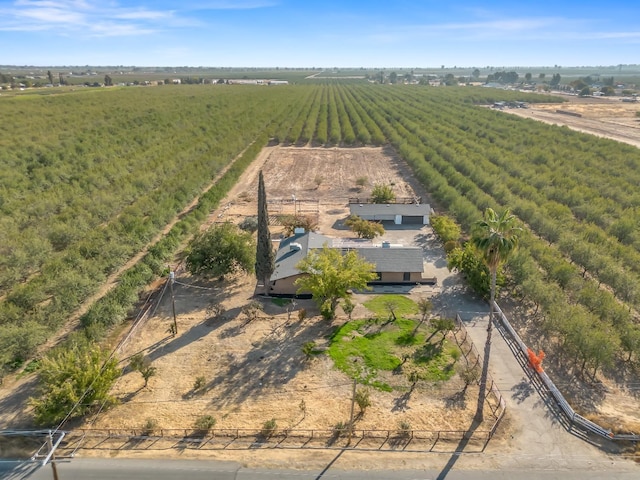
point(604, 117)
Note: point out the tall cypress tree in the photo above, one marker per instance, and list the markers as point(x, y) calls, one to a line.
point(265, 256)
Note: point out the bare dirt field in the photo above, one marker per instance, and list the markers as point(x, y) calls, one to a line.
point(601, 116)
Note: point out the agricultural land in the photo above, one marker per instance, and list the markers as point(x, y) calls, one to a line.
point(134, 173)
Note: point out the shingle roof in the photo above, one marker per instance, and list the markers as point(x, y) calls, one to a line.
point(392, 259)
point(289, 255)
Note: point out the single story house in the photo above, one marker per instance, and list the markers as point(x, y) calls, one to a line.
point(398, 213)
point(394, 264)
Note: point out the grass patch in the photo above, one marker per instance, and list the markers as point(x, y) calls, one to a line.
point(31, 367)
point(364, 347)
point(281, 302)
point(403, 306)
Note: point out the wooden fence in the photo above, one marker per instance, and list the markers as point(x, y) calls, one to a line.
point(493, 397)
point(220, 438)
point(574, 419)
point(401, 200)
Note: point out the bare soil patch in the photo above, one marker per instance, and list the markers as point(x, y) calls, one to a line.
point(605, 117)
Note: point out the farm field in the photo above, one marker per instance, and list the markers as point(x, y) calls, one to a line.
point(574, 280)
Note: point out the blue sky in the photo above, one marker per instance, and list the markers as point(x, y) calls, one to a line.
point(312, 33)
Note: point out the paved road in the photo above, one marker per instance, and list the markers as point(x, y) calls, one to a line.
point(120, 469)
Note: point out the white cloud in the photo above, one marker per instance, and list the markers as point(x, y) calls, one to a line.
point(87, 17)
point(143, 14)
point(230, 5)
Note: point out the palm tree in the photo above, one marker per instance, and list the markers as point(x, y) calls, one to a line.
point(496, 237)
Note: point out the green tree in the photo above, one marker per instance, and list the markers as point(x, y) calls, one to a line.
point(364, 228)
point(585, 92)
point(291, 222)
point(393, 77)
point(468, 262)
point(142, 364)
point(265, 256)
point(424, 307)
point(73, 382)
point(450, 80)
point(50, 76)
point(608, 90)
point(441, 325)
point(108, 81)
point(445, 228)
point(221, 250)
point(382, 193)
point(329, 275)
point(496, 237)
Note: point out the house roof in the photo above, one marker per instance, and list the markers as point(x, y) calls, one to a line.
point(289, 254)
point(392, 259)
point(406, 209)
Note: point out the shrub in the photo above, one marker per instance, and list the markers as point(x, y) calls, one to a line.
point(363, 399)
point(348, 307)
point(252, 310)
point(361, 182)
point(404, 428)
point(199, 383)
point(150, 426)
point(215, 311)
point(74, 380)
point(309, 349)
point(249, 224)
point(341, 428)
point(382, 194)
point(205, 423)
point(142, 364)
point(447, 230)
point(269, 428)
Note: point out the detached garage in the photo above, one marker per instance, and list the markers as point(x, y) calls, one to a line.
point(398, 213)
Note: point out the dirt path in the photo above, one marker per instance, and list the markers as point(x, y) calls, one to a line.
point(607, 118)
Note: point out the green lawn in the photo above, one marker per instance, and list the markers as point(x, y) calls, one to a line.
point(364, 347)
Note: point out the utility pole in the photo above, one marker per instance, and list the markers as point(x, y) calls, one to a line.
point(353, 402)
point(54, 467)
point(172, 278)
